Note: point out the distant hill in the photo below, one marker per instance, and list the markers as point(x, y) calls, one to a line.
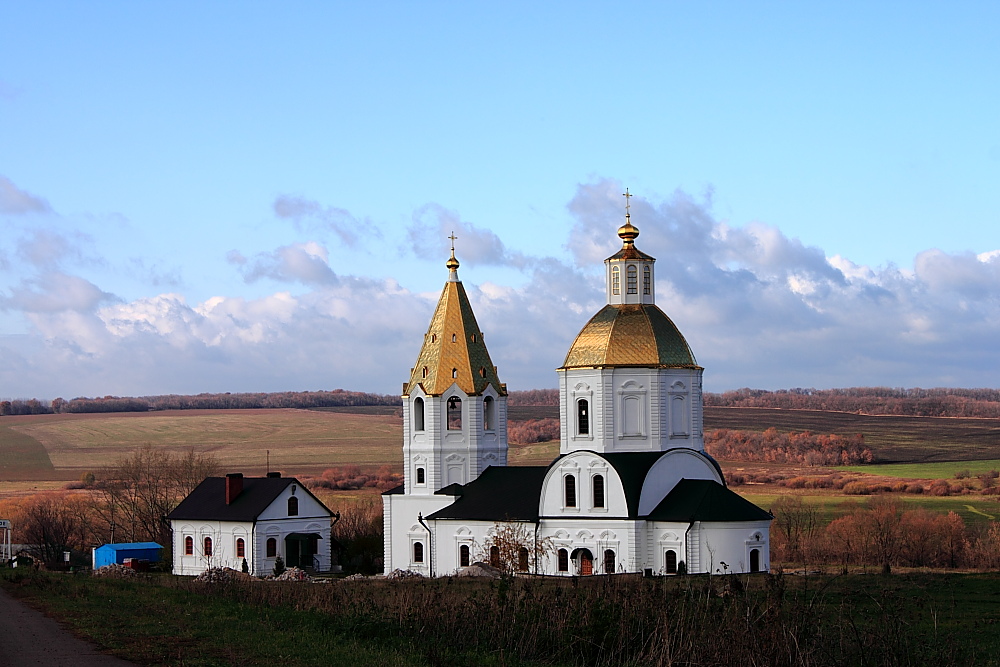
point(916, 402)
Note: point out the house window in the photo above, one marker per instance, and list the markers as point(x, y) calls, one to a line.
point(582, 417)
point(241, 548)
point(495, 556)
point(570, 487)
point(522, 559)
point(420, 476)
point(418, 414)
point(454, 414)
point(188, 546)
point(616, 280)
point(418, 552)
point(671, 561)
point(609, 561)
point(598, 484)
point(293, 506)
point(633, 280)
point(647, 283)
point(207, 547)
point(755, 560)
point(563, 560)
point(272, 547)
point(489, 414)
point(463, 555)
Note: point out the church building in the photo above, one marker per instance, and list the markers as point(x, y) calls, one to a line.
point(632, 489)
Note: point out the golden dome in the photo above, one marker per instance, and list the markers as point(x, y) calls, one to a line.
point(630, 335)
point(452, 263)
point(628, 231)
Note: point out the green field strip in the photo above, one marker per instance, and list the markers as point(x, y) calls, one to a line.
point(974, 510)
point(931, 470)
point(21, 454)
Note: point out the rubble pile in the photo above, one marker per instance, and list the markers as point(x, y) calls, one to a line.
point(293, 574)
point(115, 571)
point(221, 575)
point(403, 574)
point(480, 570)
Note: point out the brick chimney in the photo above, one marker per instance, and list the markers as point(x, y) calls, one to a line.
point(234, 486)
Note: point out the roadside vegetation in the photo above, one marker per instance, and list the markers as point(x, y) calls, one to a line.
point(768, 619)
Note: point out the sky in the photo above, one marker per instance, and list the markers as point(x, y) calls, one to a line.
point(251, 196)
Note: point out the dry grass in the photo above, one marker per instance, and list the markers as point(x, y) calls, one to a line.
point(301, 442)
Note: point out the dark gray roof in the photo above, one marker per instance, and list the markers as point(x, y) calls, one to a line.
point(208, 500)
point(500, 493)
point(705, 500)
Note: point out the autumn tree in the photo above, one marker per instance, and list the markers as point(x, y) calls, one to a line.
point(51, 524)
point(794, 522)
point(512, 546)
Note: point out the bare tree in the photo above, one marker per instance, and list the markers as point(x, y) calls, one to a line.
point(795, 522)
point(139, 490)
point(512, 546)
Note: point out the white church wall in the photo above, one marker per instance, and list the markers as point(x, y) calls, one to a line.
point(731, 543)
point(583, 467)
point(403, 530)
point(672, 467)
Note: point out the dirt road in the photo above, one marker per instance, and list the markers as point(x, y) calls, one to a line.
point(29, 638)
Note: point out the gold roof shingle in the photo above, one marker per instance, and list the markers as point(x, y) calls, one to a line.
point(630, 335)
point(453, 351)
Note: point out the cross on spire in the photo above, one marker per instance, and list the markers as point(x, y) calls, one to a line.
point(453, 237)
point(627, 203)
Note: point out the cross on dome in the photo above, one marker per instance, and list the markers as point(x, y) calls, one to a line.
point(452, 263)
point(628, 231)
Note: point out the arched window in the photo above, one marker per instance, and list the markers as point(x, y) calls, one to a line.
point(647, 283)
point(241, 548)
point(207, 550)
point(671, 561)
point(495, 556)
point(293, 506)
point(423, 372)
point(569, 482)
point(420, 476)
point(434, 338)
point(489, 414)
point(188, 546)
point(418, 414)
point(609, 561)
point(582, 417)
point(454, 338)
point(755, 560)
point(522, 559)
point(454, 373)
point(598, 484)
point(418, 552)
point(616, 280)
point(563, 560)
point(454, 414)
point(463, 555)
point(633, 280)
point(272, 547)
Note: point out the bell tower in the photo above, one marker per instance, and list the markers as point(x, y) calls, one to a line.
point(454, 405)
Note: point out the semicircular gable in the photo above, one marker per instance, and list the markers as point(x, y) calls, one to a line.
point(673, 466)
point(584, 466)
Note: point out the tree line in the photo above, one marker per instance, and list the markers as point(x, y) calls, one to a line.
point(915, 402)
point(224, 401)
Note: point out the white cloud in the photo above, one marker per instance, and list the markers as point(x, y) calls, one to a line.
point(306, 263)
point(758, 309)
point(15, 201)
point(432, 226)
point(307, 213)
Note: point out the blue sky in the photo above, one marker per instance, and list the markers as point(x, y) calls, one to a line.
point(247, 197)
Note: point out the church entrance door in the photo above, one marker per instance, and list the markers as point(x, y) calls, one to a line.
point(584, 560)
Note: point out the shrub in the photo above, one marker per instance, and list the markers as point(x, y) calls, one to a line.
point(857, 488)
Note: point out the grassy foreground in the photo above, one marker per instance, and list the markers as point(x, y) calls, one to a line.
point(912, 619)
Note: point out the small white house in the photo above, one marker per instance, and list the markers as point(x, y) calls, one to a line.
point(228, 519)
